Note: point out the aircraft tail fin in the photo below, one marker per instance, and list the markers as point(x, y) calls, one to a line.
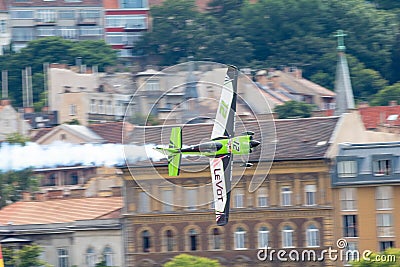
point(174, 159)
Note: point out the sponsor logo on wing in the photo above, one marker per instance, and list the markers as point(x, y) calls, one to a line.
point(227, 79)
point(218, 215)
point(219, 184)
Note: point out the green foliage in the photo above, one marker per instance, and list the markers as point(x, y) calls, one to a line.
point(73, 122)
point(140, 119)
point(184, 260)
point(275, 33)
point(51, 50)
point(27, 256)
point(13, 183)
point(388, 258)
point(294, 109)
point(389, 93)
point(17, 138)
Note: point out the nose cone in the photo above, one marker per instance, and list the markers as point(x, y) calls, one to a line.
point(254, 143)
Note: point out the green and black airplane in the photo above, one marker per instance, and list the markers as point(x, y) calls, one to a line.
point(220, 149)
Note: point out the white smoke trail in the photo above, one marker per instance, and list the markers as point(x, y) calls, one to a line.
point(17, 157)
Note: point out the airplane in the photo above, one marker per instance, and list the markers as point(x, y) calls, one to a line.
point(220, 149)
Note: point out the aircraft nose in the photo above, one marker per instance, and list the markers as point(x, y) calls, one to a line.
point(254, 143)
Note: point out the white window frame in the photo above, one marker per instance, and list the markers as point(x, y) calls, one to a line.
point(72, 109)
point(287, 237)
point(240, 239)
point(286, 196)
point(62, 257)
point(383, 197)
point(384, 224)
point(239, 198)
point(262, 197)
point(144, 202)
point(310, 194)
point(312, 234)
point(168, 198)
point(348, 199)
point(91, 257)
point(381, 167)
point(108, 256)
point(263, 238)
point(347, 168)
point(191, 198)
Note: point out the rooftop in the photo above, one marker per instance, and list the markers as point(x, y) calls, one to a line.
point(372, 117)
point(60, 210)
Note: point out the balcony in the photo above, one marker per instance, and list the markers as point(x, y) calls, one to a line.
point(85, 21)
point(45, 22)
point(135, 26)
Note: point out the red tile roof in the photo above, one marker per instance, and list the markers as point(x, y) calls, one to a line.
point(373, 116)
point(3, 5)
point(111, 131)
point(60, 210)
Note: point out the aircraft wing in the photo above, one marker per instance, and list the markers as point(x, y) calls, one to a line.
point(221, 173)
point(224, 124)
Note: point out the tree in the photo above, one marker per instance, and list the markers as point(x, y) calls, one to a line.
point(387, 258)
point(17, 138)
point(13, 183)
point(294, 109)
point(27, 256)
point(184, 260)
point(384, 96)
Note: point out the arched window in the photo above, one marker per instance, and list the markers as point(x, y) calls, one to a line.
point(240, 236)
point(108, 256)
point(287, 237)
point(263, 237)
point(216, 239)
point(90, 257)
point(146, 241)
point(312, 234)
point(192, 239)
point(169, 237)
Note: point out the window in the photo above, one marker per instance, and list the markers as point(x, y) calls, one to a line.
point(192, 240)
point(22, 14)
point(347, 168)
point(351, 251)
point(384, 245)
point(72, 109)
point(263, 236)
point(287, 237)
point(312, 235)
point(73, 179)
point(128, 21)
point(216, 239)
point(89, 14)
point(90, 257)
point(22, 34)
point(350, 225)
point(66, 14)
point(239, 198)
point(240, 235)
point(310, 192)
point(152, 85)
point(134, 4)
point(167, 197)
point(286, 196)
point(109, 107)
point(383, 196)
point(101, 107)
point(381, 167)
point(62, 257)
point(46, 15)
point(3, 26)
point(144, 202)
point(108, 256)
point(191, 198)
point(90, 30)
point(262, 197)
point(169, 238)
point(146, 241)
point(348, 199)
point(92, 106)
point(45, 31)
point(115, 38)
point(384, 224)
point(68, 32)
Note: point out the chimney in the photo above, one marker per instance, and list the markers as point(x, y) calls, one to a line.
point(393, 103)
point(28, 110)
point(299, 73)
point(26, 196)
point(55, 193)
point(363, 104)
point(77, 193)
point(5, 102)
point(116, 191)
point(40, 196)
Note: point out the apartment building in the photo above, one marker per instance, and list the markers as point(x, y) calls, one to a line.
point(69, 19)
